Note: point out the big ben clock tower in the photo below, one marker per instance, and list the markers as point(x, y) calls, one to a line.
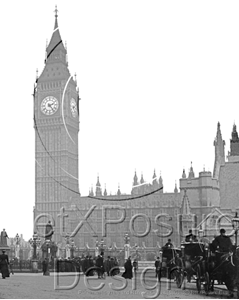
point(56, 124)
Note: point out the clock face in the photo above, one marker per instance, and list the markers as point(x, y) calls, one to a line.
point(49, 105)
point(73, 107)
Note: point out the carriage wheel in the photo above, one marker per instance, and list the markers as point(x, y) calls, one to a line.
point(198, 281)
point(207, 283)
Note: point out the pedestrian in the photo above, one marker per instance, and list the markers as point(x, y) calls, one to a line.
point(112, 264)
point(128, 269)
point(86, 264)
point(135, 266)
point(157, 265)
point(107, 265)
point(116, 264)
point(100, 266)
point(4, 262)
point(44, 266)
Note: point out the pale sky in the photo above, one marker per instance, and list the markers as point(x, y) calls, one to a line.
point(154, 77)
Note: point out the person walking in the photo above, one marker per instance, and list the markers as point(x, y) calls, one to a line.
point(100, 266)
point(157, 265)
point(128, 269)
point(4, 262)
point(107, 266)
point(135, 266)
point(44, 266)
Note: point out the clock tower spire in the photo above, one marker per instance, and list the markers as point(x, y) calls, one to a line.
point(56, 124)
point(56, 15)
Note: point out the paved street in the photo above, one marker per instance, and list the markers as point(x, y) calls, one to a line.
point(25, 285)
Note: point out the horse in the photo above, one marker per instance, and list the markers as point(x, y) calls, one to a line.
point(224, 267)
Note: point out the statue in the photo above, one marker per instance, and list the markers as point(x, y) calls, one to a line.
point(3, 241)
point(49, 231)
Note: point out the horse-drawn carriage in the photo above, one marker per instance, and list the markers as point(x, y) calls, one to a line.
point(193, 263)
point(168, 258)
point(224, 268)
point(197, 261)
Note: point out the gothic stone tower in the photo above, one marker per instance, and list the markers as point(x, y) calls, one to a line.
point(219, 145)
point(56, 123)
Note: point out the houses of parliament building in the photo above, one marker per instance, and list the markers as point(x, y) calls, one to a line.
point(198, 203)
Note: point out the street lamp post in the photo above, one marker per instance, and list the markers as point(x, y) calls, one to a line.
point(235, 225)
point(97, 248)
point(34, 242)
point(72, 248)
point(68, 251)
point(126, 246)
point(102, 244)
point(48, 249)
point(17, 246)
point(200, 234)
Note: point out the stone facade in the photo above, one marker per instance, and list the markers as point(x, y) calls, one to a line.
point(56, 124)
point(229, 174)
point(197, 204)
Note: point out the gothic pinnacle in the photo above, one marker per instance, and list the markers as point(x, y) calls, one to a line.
point(56, 15)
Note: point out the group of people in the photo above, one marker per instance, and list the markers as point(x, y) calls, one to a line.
point(220, 243)
point(110, 266)
point(92, 265)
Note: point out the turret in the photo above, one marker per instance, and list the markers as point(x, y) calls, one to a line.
point(185, 208)
point(184, 174)
point(160, 180)
point(56, 65)
point(191, 172)
point(135, 181)
point(105, 191)
point(219, 144)
point(118, 192)
point(155, 182)
point(98, 191)
point(234, 142)
point(142, 179)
